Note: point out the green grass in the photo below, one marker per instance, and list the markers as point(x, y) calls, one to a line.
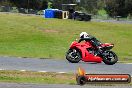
point(44, 78)
point(34, 36)
point(36, 77)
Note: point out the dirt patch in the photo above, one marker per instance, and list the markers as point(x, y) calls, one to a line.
point(51, 31)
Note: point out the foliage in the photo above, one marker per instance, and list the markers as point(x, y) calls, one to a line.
point(113, 7)
point(100, 4)
point(119, 7)
point(29, 4)
point(128, 6)
point(49, 5)
point(89, 5)
point(58, 3)
point(102, 12)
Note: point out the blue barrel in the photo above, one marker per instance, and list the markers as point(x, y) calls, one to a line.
point(50, 13)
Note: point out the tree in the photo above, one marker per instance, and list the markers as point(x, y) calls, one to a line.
point(58, 3)
point(128, 6)
point(5, 2)
point(89, 5)
point(101, 4)
point(31, 4)
point(116, 8)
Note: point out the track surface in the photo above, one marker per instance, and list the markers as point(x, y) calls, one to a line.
point(112, 21)
point(16, 85)
point(51, 65)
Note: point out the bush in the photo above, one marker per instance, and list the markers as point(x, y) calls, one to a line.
point(14, 10)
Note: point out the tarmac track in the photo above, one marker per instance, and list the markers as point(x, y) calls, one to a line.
point(20, 85)
point(61, 66)
point(113, 21)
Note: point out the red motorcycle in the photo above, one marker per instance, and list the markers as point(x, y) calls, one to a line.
point(86, 52)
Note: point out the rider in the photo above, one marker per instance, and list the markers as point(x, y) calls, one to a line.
point(88, 38)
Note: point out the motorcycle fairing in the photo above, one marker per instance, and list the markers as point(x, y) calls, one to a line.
point(86, 56)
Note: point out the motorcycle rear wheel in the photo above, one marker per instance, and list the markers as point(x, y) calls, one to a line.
point(110, 58)
point(73, 56)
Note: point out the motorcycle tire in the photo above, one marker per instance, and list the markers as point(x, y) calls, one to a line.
point(73, 57)
point(107, 59)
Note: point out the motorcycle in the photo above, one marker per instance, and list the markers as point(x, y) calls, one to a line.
point(86, 52)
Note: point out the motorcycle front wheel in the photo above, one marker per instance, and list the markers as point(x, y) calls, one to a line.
point(73, 56)
point(109, 57)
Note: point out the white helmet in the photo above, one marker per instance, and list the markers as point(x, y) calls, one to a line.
point(84, 35)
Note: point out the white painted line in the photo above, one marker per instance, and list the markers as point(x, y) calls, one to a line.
point(102, 21)
point(22, 70)
point(19, 57)
point(61, 72)
point(42, 71)
point(5, 56)
point(128, 63)
point(1, 69)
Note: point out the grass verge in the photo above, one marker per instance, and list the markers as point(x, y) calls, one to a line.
point(36, 77)
point(43, 78)
point(34, 36)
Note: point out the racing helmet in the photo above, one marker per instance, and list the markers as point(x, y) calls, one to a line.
point(84, 35)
